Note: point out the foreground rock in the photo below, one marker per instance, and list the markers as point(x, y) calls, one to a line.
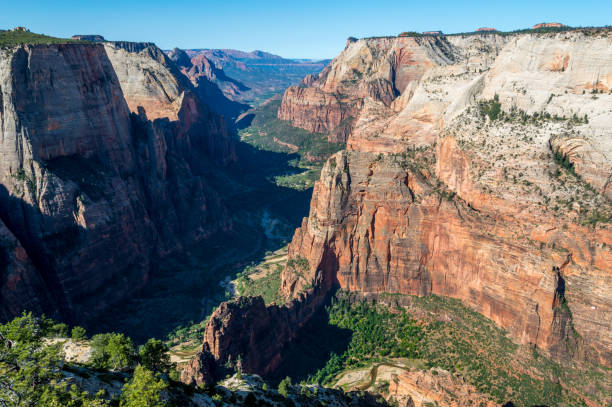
point(434, 387)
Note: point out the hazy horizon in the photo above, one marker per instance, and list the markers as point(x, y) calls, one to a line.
point(314, 30)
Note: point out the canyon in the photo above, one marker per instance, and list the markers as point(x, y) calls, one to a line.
point(476, 167)
point(461, 179)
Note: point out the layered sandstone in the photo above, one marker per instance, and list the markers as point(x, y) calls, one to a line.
point(201, 370)
point(381, 69)
point(416, 388)
point(91, 192)
point(249, 333)
point(507, 211)
point(499, 243)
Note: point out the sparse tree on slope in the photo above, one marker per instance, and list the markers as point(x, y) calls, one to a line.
point(144, 390)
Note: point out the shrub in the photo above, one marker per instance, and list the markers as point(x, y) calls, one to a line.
point(491, 108)
point(113, 351)
point(78, 333)
point(30, 370)
point(284, 387)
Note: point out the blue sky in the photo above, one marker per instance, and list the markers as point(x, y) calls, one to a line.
point(306, 29)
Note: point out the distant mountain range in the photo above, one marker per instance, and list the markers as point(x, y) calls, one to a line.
point(245, 77)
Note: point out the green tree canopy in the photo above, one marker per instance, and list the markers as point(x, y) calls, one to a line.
point(78, 333)
point(30, 369)
point(112, 351)
point(284, 386)
point(144, 390)
point(154, 356)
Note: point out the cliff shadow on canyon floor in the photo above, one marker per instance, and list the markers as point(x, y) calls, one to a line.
point(312, 348)
point(185, 288)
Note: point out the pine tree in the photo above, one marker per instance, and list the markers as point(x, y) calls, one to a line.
point(144, 390)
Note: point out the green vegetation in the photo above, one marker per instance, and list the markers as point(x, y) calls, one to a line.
point(541, 30)
point(284, 387)
point(113, 351)
point(377, 333)
point(144, 390)
point(154, 356)
point(491, 108)
point(564, 161)
point(589, 215)
point(413, 34)
point(267, 287)
point(14, 38)
point(78, 333)
point(30, 370)
point(450, 336)
point(267, 132)
point(33, 371)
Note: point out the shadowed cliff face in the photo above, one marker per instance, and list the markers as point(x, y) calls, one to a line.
point(481, 180)
point(93, 193)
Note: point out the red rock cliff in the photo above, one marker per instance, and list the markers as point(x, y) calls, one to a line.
point(485, 180)
point(91, 193)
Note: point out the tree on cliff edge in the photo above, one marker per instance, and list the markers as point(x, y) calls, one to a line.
point(154, 356)
point(144, 390)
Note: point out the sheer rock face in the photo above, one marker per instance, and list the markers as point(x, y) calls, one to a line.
point(90, 192)
point(389, 231)
point(21, 285)
point(248, 331)
point(153, 85)
point(496, 244)
point(381, 69)
point(434, 196)
point(201, 370)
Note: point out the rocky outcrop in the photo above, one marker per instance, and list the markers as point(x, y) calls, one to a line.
point(590, 161)
point(416, 388)
point(249, 333)
point(95, 188)
point(454, 188)
point(154, 88)
point(89, 37)
point(201, 371)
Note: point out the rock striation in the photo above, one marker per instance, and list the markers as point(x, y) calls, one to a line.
point(105, 150)
point(434, 387)
point(480, 171)
point(380, 69)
